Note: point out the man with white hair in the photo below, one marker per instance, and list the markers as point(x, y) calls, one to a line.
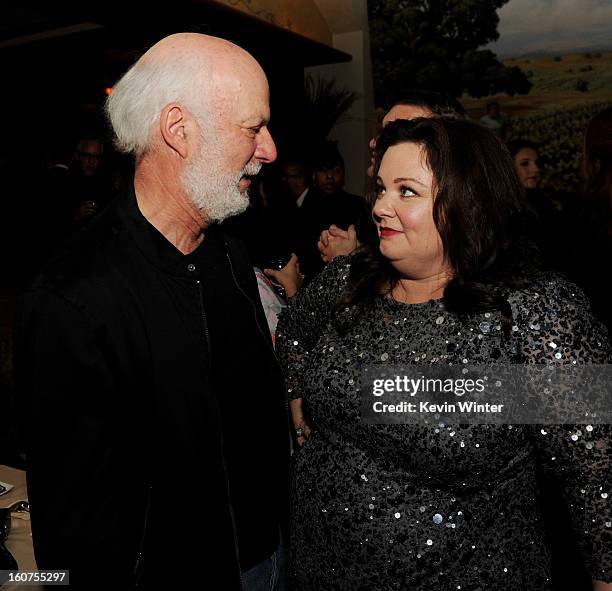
point(156, 430)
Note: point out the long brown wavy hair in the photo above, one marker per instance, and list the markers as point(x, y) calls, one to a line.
point(479, 211)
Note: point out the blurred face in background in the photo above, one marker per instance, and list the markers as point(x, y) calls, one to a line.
point(89, 156)
point(397, 112)
point(330, 180)
point(294, 178)
point(526, 164)
point(493, 110)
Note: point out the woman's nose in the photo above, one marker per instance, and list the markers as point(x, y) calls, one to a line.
point(382, 208)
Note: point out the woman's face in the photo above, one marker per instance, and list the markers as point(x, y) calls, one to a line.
point(403, 213)
point(526, 164)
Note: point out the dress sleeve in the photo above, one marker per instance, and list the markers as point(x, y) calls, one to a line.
point(559, 329)
point(302, 322)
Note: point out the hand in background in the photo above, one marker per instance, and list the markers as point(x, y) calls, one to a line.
point(85, 210)
point(289, 277)
point(336, 242)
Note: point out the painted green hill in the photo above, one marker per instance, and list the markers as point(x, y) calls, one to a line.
point(567, 91)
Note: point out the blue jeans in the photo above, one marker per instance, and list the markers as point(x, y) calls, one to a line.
point(268, 575)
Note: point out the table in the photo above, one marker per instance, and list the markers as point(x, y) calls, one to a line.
point(19, 542)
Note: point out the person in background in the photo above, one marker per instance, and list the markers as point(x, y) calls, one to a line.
point(91, 190)
point(499, 123)
point(88, 155)
point(297, 180)
point(327, 204)
point(550, 223)
point(525, 154)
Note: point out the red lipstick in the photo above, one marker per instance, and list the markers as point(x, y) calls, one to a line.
point(388, 232)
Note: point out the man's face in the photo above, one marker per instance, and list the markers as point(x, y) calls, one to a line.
point(244, 128)
point(232, 147)
point(330, 180)
point(396, 112)
point(294, 179)
point(89, 156)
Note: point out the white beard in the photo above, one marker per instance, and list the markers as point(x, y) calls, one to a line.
point(212, 190)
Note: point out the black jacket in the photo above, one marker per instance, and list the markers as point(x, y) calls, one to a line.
point(318, 212)
point(119, 415)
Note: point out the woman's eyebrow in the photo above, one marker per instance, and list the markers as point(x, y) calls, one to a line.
point(400, 179)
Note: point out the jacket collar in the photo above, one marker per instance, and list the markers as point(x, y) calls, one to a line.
point(155, 246)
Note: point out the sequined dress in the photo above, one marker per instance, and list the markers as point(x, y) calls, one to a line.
point(381, 507)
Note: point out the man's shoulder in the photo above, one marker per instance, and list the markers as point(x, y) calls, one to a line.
point(88, 259)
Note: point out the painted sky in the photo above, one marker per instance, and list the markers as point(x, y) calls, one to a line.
point(530, 26)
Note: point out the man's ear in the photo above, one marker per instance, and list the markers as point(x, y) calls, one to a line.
point(173, 124)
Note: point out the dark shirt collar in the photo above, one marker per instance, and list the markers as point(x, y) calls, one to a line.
point(155, 246)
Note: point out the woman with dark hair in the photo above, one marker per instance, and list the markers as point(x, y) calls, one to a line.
point(551, 221)
point(405, 506)
point(526, 154)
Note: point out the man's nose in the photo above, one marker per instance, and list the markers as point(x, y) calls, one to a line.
point(266, 149)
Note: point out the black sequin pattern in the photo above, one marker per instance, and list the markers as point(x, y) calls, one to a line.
point(447, 507)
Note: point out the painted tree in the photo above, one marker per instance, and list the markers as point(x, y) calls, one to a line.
point(435, 45)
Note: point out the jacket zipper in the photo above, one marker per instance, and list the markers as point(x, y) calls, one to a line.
point(138, 566)
point(218, 413)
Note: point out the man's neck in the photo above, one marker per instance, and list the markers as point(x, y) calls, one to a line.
point(166, 207)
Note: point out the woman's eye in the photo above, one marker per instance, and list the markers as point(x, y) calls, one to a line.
point(379, 190)
point(406, 192)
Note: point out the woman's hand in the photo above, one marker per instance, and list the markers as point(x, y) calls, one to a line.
point(301, 426)
point(336, 242)
point(289, 277)
point(601, 586)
